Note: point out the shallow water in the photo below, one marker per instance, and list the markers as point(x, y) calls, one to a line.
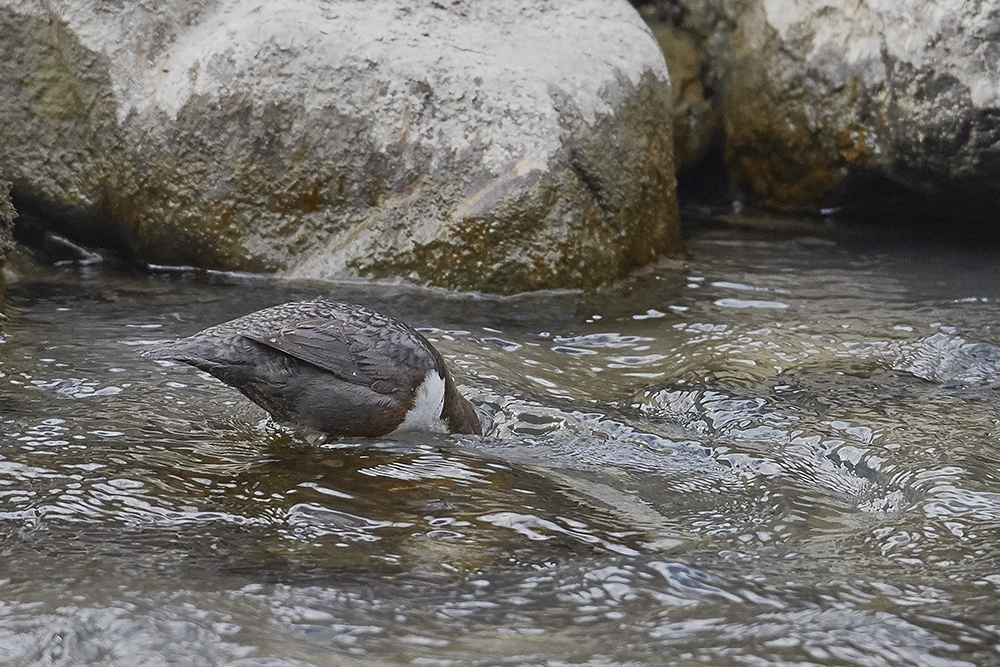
point(781, 451)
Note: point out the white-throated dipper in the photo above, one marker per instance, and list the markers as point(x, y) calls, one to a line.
point(338, 368)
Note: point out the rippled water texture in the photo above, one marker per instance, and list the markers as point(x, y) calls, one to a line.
point(781, 451)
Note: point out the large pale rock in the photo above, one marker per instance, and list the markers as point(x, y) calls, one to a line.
point(496, 146)
point(809, 91)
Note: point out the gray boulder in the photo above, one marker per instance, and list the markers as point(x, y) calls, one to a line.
point(896, 91)
point(493, 146)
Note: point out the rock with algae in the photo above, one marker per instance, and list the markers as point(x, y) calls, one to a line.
point(7, 215)
point(812, 92)
point(492, 146)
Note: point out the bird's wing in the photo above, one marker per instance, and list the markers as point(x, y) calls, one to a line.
point(365, 348)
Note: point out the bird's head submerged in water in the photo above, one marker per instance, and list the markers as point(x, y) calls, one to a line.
point(341, 369)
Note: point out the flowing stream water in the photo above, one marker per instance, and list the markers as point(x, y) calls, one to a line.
point(781, 450)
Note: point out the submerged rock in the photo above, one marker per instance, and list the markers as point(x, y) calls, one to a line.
point(493, 146)
point(950, 360)
point(810, 93)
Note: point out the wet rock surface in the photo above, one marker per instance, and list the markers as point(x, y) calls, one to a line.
point(501, 148)
point(7, 215)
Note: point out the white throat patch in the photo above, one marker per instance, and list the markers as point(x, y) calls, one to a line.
point(425, 415)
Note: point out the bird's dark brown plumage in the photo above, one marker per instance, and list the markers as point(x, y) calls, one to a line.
point(338, 368)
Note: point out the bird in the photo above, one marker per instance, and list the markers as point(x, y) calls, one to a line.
point(337, 368)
